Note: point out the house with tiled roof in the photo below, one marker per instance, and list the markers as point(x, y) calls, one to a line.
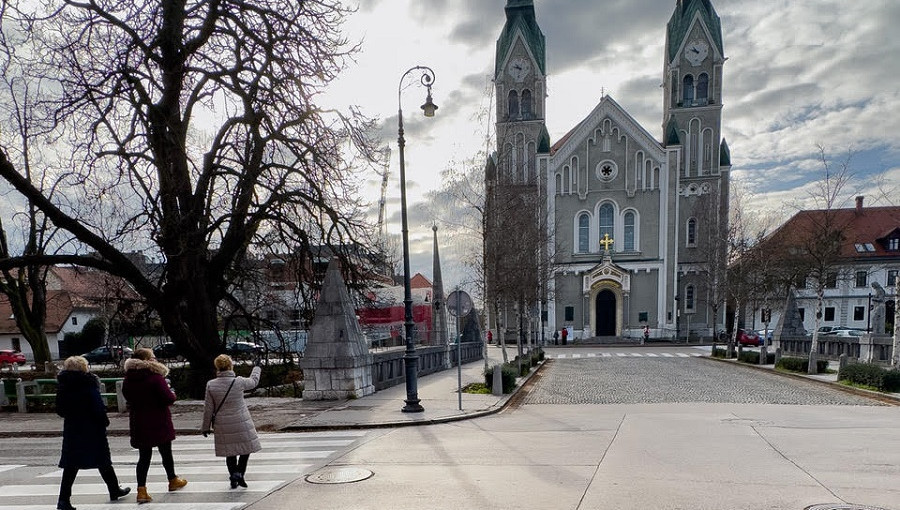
point(74, 296)
point(868, 260)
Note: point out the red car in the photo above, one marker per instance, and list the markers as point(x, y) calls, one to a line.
point(8, 356)
point(748, 338)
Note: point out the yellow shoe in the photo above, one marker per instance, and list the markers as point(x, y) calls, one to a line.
point(176, 483)
point(142, 496)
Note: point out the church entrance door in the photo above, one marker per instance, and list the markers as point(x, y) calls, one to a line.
point(606, 313)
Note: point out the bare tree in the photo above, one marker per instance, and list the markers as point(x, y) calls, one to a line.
point(195, 134)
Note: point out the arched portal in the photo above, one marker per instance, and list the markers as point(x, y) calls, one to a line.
point(605, 310)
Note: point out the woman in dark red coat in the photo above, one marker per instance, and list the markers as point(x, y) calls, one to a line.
point(149, 396)
point(84, 444)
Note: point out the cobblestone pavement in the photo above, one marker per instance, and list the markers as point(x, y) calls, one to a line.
point(662, 380)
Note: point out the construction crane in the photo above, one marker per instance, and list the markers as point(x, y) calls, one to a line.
point(382, 228)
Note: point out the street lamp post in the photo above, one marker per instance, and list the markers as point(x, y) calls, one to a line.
point(411, 360)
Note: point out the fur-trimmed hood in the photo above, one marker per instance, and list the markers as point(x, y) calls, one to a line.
point(151, 365)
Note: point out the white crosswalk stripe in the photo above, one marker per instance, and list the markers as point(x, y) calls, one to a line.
point(285, 457)
point(626, 355)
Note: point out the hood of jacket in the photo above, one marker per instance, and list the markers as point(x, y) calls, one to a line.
point(152, 365)
point(74, 378)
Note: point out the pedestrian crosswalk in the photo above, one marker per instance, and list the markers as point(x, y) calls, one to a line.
point(284, 458)
point(625, 355)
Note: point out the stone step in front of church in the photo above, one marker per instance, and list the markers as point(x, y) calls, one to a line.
point(607, 340)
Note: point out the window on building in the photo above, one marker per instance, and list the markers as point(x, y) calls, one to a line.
point(584, 233)
point(629, 231)
point(513, 104)
point(859, 313)
point(526, 106)
point(271, 315)
point(829, 314)
point(607, 221)
point(74, 320)
point(802, 313)
point(702, 88)
point(893, 245)
point(862, 278)
point(570, 313)
point(16, 344)
point(688, 88)
point(831, 280)
point(643, 316)
point(892, 277)
point(692, 232)
point(689, 298)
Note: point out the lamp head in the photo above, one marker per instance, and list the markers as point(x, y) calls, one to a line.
point(429, 107)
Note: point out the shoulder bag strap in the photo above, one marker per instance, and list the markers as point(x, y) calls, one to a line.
point(216, 411)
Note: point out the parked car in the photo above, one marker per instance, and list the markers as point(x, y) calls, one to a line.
point(244, 350)
point(8, 356)
point(168, 350)
point(107, 354)
point(768, 335)
point(824, 330)
point(848, 332)
point(748, 337)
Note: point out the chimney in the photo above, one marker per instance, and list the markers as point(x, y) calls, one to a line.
point(859, 202)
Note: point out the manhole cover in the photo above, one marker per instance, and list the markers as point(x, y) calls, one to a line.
point(339, 475)
point(842, 506)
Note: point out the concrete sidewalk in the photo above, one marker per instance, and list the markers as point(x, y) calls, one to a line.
point(437, 393)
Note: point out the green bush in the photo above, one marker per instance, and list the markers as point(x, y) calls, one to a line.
point(508, 376)
point(753, 357)
point(800, 365)
point(869, 374)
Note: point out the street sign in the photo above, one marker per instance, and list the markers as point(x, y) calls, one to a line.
point(459, 303)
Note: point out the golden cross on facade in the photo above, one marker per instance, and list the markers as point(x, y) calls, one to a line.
point(606, 241)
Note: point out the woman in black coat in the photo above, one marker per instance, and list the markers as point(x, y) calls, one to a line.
point(84, 445)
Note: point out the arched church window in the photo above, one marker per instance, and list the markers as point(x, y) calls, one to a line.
point(527, 106)
point(629, 244)
point(607, 221)
point(688, 88)
point(689, 298)
point(692, 232)
point(513, 104)
point(702, 88)
point(584, 233)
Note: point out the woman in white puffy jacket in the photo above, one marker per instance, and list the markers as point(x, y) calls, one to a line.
point(227, 417)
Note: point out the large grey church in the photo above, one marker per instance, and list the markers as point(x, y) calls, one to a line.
point(635, 225)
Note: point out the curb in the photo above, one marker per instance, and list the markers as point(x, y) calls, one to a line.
point(885, 398)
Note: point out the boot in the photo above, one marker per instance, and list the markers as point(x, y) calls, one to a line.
point(142, 496)
point(233, 478)
point(240, 480)
point(119, 492)
point(176, 483)
point(64, 505)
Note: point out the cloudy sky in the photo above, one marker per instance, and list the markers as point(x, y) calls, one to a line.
point(799, 73)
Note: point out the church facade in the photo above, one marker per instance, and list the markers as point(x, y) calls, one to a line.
point(635, 225)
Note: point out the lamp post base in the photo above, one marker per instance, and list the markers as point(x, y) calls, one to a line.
point(413, 406)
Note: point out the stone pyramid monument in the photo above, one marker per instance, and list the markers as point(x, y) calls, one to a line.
point(337, 363)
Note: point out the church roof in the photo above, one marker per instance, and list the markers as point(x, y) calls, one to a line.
point(681, 20)
point(608, 107)
point(724, 154)
point(520, 16)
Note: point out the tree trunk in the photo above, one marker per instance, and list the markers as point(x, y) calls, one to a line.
point(895, 350)
point(814, 344)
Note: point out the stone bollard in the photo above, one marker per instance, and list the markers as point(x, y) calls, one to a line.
point(763, 354)
point(842, 362)
point(497, 382)
point(777, 356)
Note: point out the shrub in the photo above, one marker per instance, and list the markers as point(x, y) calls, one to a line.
point(507, 376)
point(869, 374)
point(476, 388)
point(800, 364)
point(753, 357)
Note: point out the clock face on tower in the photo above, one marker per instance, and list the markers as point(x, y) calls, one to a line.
point(518, 68)
point(695, 52)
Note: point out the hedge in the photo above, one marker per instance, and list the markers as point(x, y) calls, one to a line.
point(753, 357)
point(508, 374)
point(869, 374)
point(800, 364)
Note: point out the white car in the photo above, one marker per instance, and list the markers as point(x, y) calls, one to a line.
point(846, 333)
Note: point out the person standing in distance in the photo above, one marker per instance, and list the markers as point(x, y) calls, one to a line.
point(84, 445)
point(149, 421)
point(225, 414)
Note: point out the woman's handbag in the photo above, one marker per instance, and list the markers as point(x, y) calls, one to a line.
point(212, 420)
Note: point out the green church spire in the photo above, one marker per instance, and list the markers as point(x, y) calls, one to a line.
point(680, 23)
point(520, 15)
